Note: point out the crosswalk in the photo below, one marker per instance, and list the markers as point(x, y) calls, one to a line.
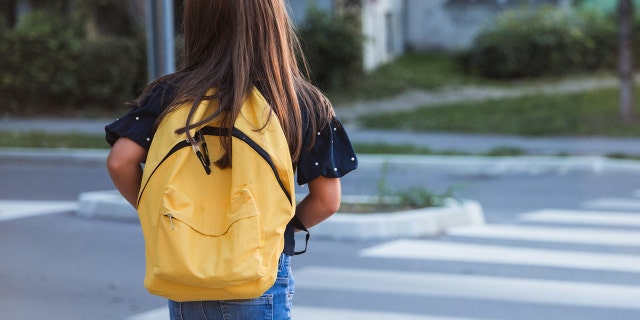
point(16, 209)
point(549, 264)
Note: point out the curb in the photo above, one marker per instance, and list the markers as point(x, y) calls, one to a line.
point(105, 205)
point(341, 226)
point(485, 165)
point(64, 156)
point(464, 165)
point(416, 223)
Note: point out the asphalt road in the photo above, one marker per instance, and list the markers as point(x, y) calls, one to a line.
point(61, 266)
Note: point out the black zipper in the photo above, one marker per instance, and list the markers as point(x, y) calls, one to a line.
point(217, 131)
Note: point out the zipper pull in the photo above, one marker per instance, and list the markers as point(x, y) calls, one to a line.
point(171, 221)
point(203, 157)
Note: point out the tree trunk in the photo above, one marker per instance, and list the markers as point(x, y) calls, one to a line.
point(625, 62)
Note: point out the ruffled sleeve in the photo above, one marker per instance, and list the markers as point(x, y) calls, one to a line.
point(138, 124)
point(332, 155)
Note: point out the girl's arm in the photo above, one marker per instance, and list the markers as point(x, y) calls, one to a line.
point(322, 201)
point(124, 166)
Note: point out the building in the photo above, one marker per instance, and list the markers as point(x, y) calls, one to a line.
point(392, 26)
point(382, 25)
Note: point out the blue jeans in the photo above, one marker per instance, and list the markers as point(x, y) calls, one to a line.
point(275, 304)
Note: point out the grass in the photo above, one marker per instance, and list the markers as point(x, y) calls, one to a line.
point(40, 139)
point(411, 71)
point(384, 148)
point(394, 200)
point(582, 114)
point(429, 71)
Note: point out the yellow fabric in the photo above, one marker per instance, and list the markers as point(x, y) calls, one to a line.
point(217, 236)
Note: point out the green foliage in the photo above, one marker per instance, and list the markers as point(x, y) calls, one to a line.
point(47, 65)
point(505, 151)
point(38, 59)
point(417, 197)
point(41, 139)
point(111, 69)
point(585, 114)
point(333, 48)
point(109, 17)
point(532, 42)
point(410, 71)
point(384, 148)
point(409, 198)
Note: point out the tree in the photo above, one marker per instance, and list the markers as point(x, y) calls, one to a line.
point(625, 62)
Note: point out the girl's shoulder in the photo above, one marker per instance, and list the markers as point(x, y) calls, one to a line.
point(138, 124)
point(158, 95)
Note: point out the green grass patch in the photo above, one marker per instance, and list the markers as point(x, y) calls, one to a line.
point(584, 114)
point(623, 156)
point(505, 152)
point(384, 148)
point(40, 139)
point(410, 71)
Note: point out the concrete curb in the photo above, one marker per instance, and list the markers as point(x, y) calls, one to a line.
point(464, 165)
point(105, 205)
point(66, 156)
point(341, 226)
point(404, 224)
point(484, 165)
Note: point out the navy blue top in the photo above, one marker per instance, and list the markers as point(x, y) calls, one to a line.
point(331, 156)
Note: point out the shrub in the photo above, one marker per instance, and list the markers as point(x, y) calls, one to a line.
point(46, 65)
point(333, 48)
point(110, 70)
point(39, 57)
point(533, 42)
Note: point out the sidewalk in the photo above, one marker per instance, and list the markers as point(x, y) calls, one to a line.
point(468, 143)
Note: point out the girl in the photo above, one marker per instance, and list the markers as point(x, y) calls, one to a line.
point(235, 45)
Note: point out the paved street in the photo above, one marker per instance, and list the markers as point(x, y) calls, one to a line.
point(561, 239)
point(556, 246)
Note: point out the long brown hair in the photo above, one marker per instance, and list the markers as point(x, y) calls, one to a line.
point(234, 45)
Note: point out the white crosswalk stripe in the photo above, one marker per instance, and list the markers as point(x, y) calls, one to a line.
point(590, 236)
point(15, 209)
point(613, 203)
point(470, 286)
point(427, 250)
point(599, 218)
point(312, 313)
point(156, 314)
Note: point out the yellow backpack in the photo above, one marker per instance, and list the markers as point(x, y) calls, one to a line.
point(216, 235)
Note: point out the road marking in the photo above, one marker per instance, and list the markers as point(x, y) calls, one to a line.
point(155, 314)
point(601, 218)
point(592, 236)
point(613, 204)
point(470, 287)
point(314, 313)
point(15, 209)
point(430, 250)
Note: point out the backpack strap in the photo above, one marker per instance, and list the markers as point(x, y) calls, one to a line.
point(299, 225)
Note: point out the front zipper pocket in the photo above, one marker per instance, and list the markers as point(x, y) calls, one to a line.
point(213, 248)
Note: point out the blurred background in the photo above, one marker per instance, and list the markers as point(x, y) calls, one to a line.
point(512, 123)
point(85, 58)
